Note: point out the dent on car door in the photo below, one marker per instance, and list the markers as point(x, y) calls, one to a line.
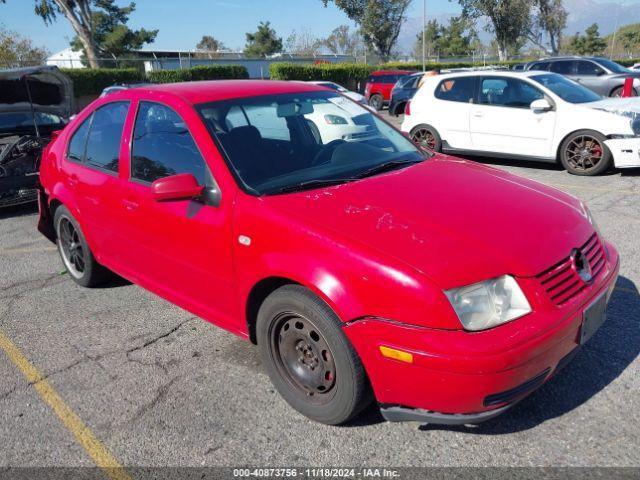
point(503, 122)
point(92, 168)
point(179, 249)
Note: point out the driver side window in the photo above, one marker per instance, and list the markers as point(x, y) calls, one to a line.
point(163, 146)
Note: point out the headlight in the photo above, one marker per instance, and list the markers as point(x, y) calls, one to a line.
point(488, 304)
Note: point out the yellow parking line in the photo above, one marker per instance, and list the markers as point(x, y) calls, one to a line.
point(594, 189)
point(98, 453)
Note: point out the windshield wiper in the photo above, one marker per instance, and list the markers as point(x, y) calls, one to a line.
point(385, 167)
point(312, 184)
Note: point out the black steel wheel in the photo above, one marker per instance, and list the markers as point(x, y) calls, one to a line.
point(584, 153)
point(309, 359)
point(75, 252)
point(427, 137)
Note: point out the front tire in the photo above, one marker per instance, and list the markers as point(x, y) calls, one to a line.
point(309, 359)
point(585, 153)
point(75, 252)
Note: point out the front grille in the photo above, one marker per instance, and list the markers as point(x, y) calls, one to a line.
point(562, 282)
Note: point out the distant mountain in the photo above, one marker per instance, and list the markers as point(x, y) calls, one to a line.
point(582, 13)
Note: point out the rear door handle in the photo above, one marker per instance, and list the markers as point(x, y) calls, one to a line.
point(130, 205)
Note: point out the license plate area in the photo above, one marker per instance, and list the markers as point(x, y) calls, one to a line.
point(594, 316)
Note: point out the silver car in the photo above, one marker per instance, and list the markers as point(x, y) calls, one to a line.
point(601, 75)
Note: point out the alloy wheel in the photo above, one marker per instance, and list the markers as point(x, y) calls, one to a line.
point(425, 138)
point(73, 253)
point(584, 153)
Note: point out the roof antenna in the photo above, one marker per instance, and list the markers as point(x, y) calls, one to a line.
point(33, 111)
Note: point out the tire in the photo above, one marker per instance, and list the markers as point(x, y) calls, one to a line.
point(617, 92)
point(309, 359)
point(376, 101)
point(585, 153)
point(426, 136)
point(74, 251)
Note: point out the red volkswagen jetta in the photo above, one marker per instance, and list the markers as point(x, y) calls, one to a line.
point(363, 267)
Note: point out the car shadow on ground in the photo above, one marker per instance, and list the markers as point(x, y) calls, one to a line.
point(23, 210)
point(600, 362)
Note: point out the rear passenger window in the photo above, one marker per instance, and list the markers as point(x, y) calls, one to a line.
point(584, 67)
point(563, 67)
point(105, 134)
point(79, 141)
point(458, 89)
point(163, 146)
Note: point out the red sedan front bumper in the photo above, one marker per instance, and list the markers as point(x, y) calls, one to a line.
point(467, 377)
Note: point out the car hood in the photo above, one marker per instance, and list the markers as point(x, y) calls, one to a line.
point(629, 107)
point(455, 221)
point(51, 91)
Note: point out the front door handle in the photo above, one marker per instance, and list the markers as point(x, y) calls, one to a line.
point(130, 205)
point(73, 180)
point(478, 114)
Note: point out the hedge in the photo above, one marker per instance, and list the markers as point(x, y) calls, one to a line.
point(91, 81)
point(201, 72)
point(346, 74)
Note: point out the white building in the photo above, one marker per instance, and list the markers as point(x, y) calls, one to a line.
point(66, 58)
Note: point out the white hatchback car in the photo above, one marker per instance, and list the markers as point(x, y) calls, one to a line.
point(526, 115)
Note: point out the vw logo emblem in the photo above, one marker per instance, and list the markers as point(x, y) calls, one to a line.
point(580, 265)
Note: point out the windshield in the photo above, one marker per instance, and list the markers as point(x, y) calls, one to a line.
point(566, 89)
point(285, 142)
point(11, 121)
point(613, 66)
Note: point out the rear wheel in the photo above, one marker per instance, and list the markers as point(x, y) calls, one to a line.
point(617, 92)
point(376, 101)
point(308, 358)
point(584, 153)
point(74, 251)
point(426, 136)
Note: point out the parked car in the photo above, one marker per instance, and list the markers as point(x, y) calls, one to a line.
point(518, 67)
point(601, 75)
point(403, 91)
point(34, 102)
point(372, 269)
point(379, 85)
point(526, 115)
point(355, 96)
point(123, 86)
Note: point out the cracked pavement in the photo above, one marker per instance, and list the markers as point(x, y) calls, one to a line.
point(159, 386)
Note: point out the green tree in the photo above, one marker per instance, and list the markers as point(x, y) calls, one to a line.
point(263, 42)
point(455, 38)
point(628, 37)
point(111, 36)
point(208, 43)
point(19, 51)
point(432, 32)
point(509, 20)
point(548, 20)
point(379, 20)
point(341, 41)
point(303, 43)
point(591, 43)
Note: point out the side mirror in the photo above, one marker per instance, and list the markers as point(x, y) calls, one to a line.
point(183, 186)
point(541, 105)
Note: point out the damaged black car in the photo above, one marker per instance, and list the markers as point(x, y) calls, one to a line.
point(34, 103)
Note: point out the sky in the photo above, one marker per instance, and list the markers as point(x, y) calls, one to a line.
point(183, 22)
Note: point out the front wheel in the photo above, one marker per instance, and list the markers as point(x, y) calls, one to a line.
point(74, 251)
point(584, 153)
point(376, 102)
point(309, 359)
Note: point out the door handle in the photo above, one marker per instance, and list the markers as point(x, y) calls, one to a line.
point(130, 205)
point(73, 180)
point(478, 114)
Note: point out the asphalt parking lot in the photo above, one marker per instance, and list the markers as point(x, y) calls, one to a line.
point(157, 386)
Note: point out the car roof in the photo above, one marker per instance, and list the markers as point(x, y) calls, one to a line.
point(502, 73)
point(567, 57)
point(391, 72)
point(216, 90)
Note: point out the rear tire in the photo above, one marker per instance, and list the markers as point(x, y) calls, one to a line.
point(309, 359)
point(426, 136)
point(376, 101)
point(75, 252)
point(617, 92)
point(585, 153)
